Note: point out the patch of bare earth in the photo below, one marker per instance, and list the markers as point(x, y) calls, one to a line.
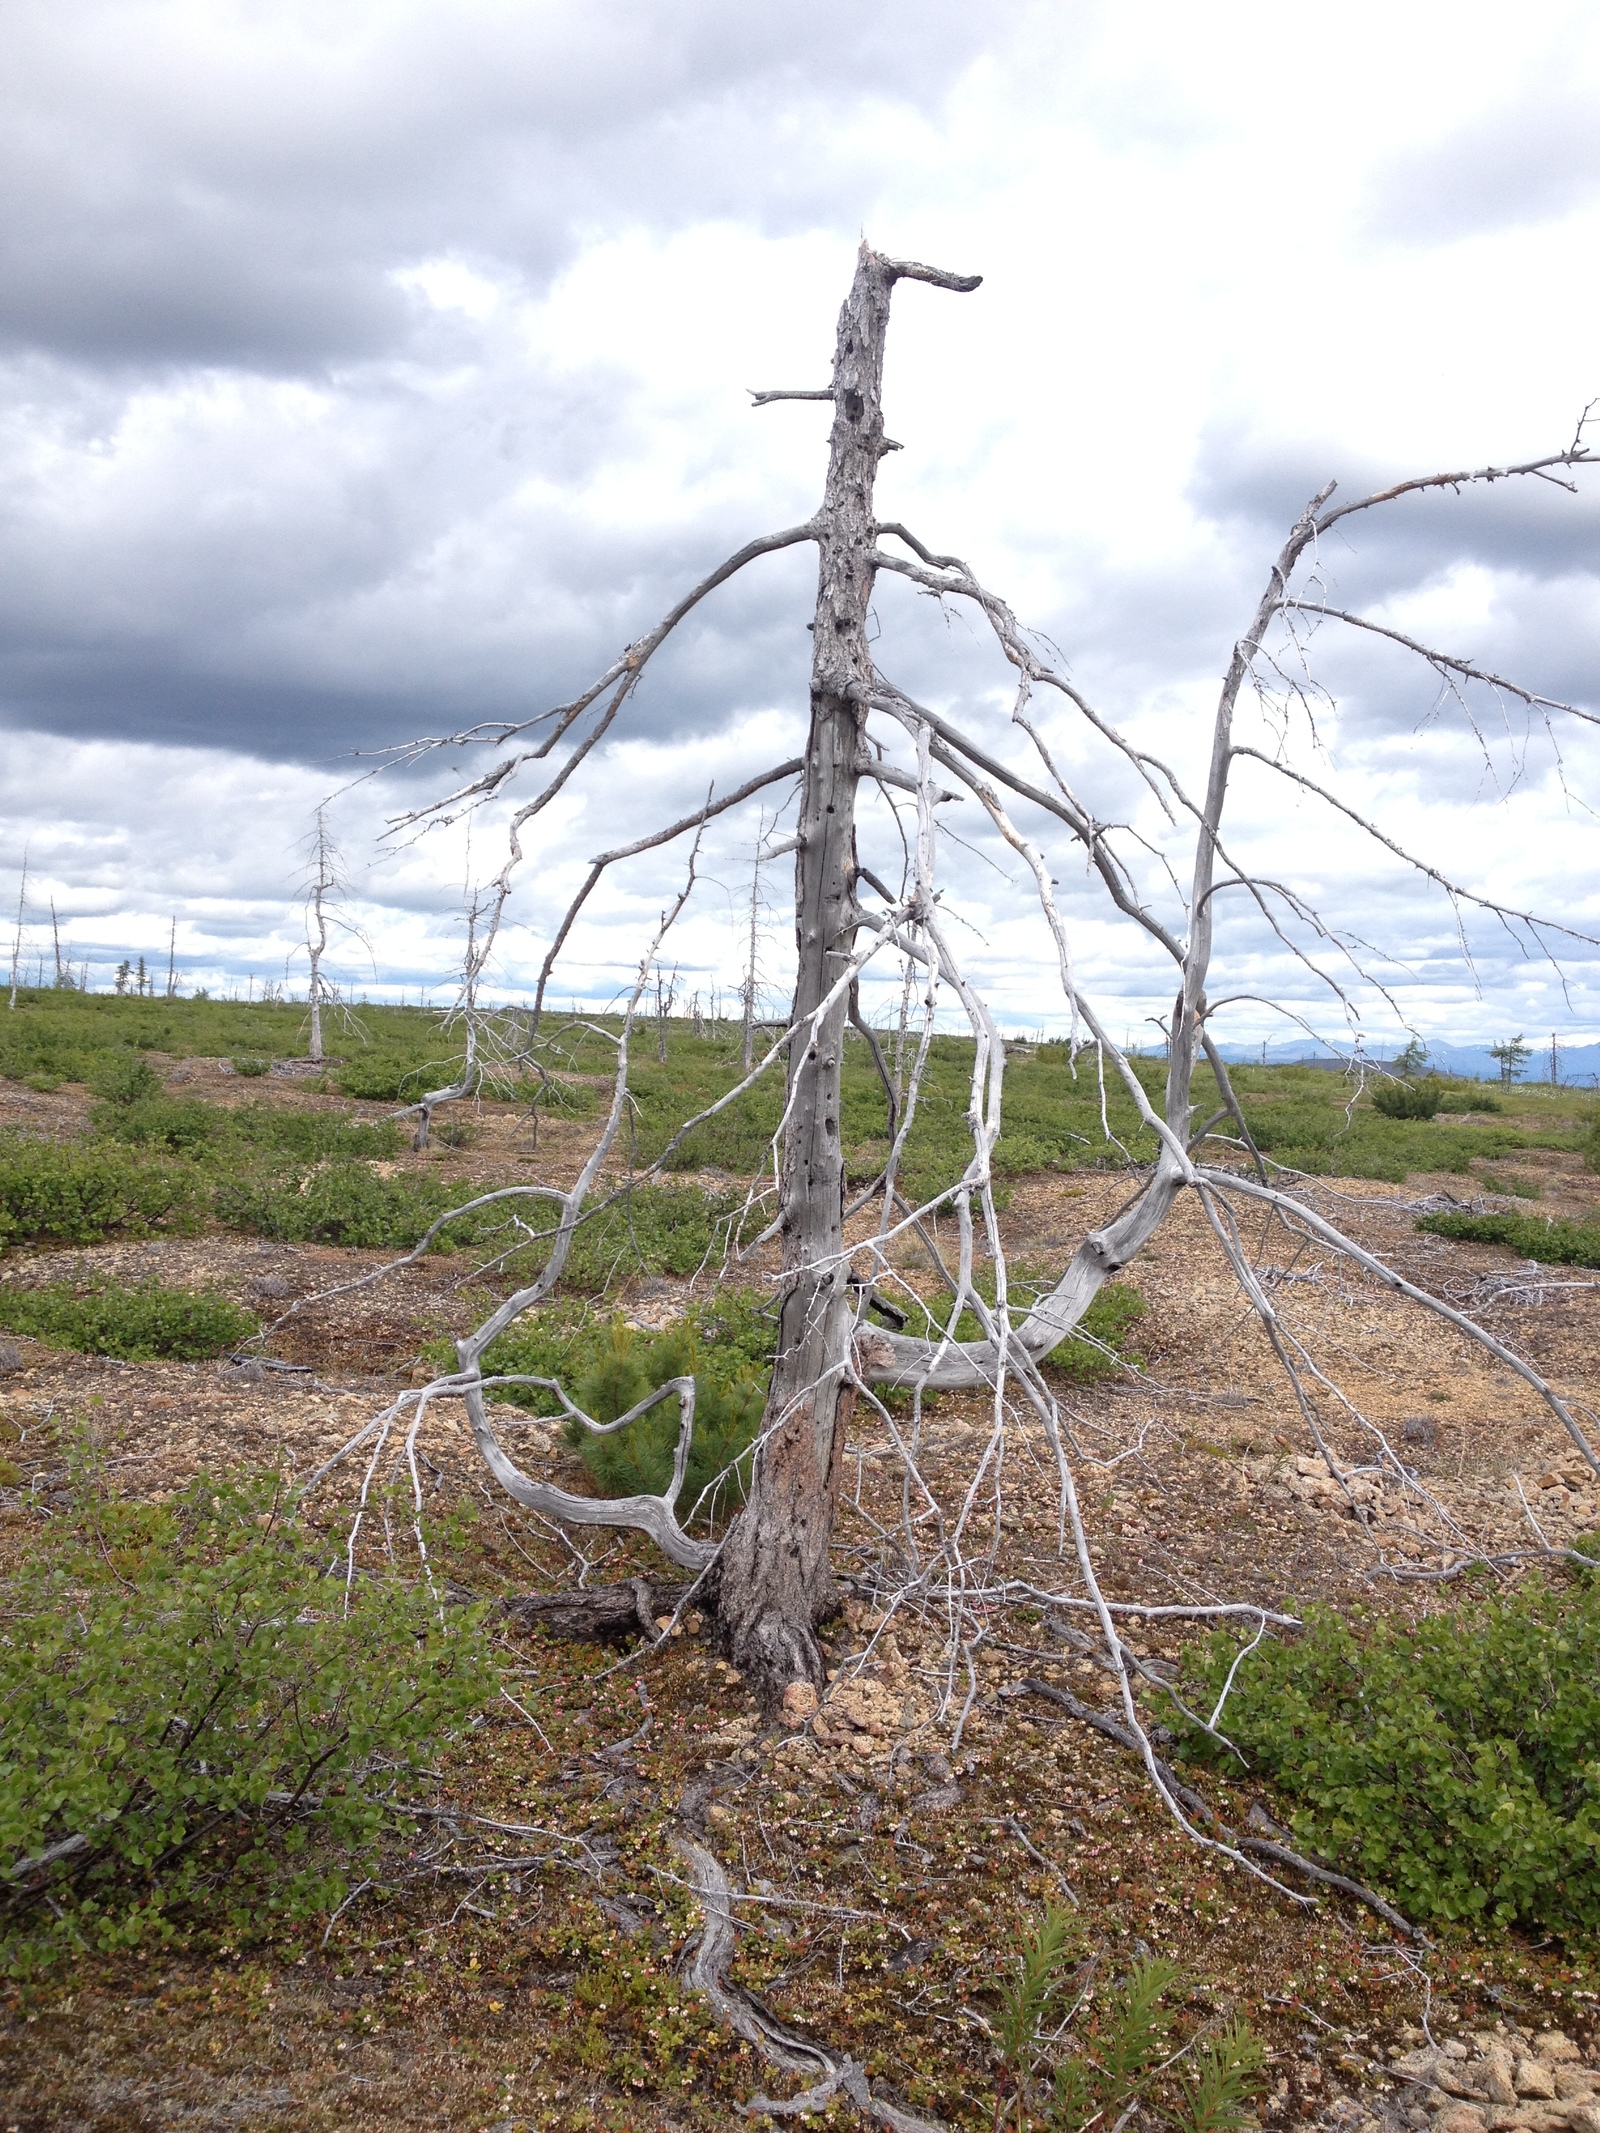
point(889, 1865)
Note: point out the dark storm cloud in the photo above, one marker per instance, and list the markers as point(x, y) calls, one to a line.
point(218, 193)
point(229, 185)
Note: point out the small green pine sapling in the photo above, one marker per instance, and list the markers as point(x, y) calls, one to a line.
point(1219, 2086)
point(1026, 2000)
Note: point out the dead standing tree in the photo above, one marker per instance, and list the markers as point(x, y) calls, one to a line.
point(324, 888)
point(770, 1581)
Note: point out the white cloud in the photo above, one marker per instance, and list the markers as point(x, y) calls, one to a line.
point(367, 376)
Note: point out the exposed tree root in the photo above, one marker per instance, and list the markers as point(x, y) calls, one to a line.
point(782, 2047)
point(608, 1615)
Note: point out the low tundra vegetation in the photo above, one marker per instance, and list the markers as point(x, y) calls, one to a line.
point(204, 1733)
point(1078, 2050)
point(1452, 1765)
point(138, 1324)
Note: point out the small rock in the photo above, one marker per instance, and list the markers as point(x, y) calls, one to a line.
point(1420, 2064)
point(1573, 2083)
point(1550, 2044)
point(1460, 2118)
point(11, 1358)
point(799, 1703)
point(939, 1801)
point(1534, 2079)
point(1456, 2078)
point(1584, 2118)
point(1498, 2076)
point(1418, 1429)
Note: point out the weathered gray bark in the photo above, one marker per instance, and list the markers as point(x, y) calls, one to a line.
point(774, 1583)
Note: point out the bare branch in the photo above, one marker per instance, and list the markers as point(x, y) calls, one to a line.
point(1576, 455)
point(644, 844)
point(1446, 661)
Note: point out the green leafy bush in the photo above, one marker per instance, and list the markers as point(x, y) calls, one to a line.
point(1454, 1765)
point(199, 1733)
point(1552, 1243)
point(1516, 1188)
point(136, 1324)
point(347, 1203)
point(124, 1078)
point(252, 1067)
point(235, 1134)
point(390, 1076)
point(81, 1195)
point(1409, 1099)
point(1095, 1352)
point(181, 1124)
point(310, 1135)
point(658, 1229)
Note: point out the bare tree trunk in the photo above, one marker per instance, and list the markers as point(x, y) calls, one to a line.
point(774, 1582)
point(16, 946)
point(747, 1043)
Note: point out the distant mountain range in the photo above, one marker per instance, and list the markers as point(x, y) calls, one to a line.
point(1578, 1065)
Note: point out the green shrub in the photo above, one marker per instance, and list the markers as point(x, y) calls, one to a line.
point(386, 1077)
point(81, 1195)
point(1409, 1099)
point(347, 1203)
point(181, 1124)
point(136, 1324)
point(1116, 2054)
point(252, 1068)
point(124, 1078)
point(638, 1460)
point(199, 1726)
point(310, 1135)
point(1552, 1243)
point(1086, 1360)
point(1515, 1188)
point(657, 1229)
point(1454, 1765)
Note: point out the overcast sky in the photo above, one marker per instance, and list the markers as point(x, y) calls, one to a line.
point(368, 371)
